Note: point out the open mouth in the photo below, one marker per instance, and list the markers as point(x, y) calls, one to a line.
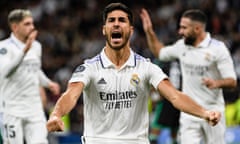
point(116, 37)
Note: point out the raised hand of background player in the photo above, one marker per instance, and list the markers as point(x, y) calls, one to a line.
point(54, 88)
point(146, 21)
point(31, 37)
point(55, 124)
point(213, 117)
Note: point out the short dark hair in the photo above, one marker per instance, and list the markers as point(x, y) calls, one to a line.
point(195, 15)
point(117, 6)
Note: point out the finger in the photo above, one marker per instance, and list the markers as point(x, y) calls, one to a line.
point(55, 126)
point(33, 35)
point(55, 89)
point(142, 15)
point(61, 126)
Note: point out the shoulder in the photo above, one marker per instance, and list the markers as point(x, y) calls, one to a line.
point(177, 45)
point(37, 44)
point(93, 60)
point(88, 65)
point(6, 42)
point(217, 43)
point(5, 46)
point(93, 63)
point(143, 63)
point(218, 47)
point(140, 58)
point(179, 42)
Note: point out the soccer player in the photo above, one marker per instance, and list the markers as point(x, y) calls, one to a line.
point(206, 67)
point(116, 84)
point(21, 77)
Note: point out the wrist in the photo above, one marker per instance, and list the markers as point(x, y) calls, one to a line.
point(55, 115)
point(206, 114)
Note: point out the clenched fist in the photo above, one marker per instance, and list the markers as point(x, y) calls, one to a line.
point(55, 124)
point(213, 117)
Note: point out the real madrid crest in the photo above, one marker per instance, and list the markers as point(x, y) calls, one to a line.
point(207, 56)
point(135, 80)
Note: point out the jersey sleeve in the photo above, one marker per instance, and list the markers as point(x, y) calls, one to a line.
point(44, 80)
point(170, 52)
point(9, 61)
point(225, 63)
point(38, 46)
point(81, 74)
point(156, 75)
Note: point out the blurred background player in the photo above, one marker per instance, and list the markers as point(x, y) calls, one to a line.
point(21, 74)
point(206, 67)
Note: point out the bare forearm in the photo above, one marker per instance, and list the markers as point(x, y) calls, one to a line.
point(221, 83)
point(226, 83)
point(186, 104)
point(153, 42)
point(63, 106)
point(180, 100)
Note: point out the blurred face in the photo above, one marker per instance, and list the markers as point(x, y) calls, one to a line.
point(117, 29)
point(23, 28)
point(187, 31)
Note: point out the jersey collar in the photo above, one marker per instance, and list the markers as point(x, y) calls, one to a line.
point(206, 41)
point(17, 42)
point(106, 63)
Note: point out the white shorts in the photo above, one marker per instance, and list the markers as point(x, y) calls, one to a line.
point(33, 129)
point(197, 131)
point(91, 140)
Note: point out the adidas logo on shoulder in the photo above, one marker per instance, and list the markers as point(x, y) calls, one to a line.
point(102, 81)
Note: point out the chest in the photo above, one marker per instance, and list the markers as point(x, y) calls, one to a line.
point(198, 56)
point(198, 61)
point(125, 81)
point(30, 63)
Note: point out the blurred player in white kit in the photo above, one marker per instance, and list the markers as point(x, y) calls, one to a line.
point(21, 77)
point(206, 67)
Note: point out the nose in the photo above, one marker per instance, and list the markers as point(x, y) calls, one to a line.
point(116, 22)
point(180, 31)
point(32, 26)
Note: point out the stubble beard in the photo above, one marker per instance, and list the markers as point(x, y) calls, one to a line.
point(119, 47)
point(189, 40)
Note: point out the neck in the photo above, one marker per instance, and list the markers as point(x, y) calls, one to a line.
point(200, 38)
point(118, 57)
point(22, 39)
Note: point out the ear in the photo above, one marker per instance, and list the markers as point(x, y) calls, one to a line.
point(13, 26)
point(103, 30)
point(198, 27)
point(132, 30)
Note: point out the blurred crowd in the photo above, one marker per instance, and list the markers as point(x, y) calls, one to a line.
point(70, 31)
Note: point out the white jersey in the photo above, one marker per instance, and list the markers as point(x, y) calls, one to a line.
point(115, 100)
point(210, 59)
point(20, 76)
